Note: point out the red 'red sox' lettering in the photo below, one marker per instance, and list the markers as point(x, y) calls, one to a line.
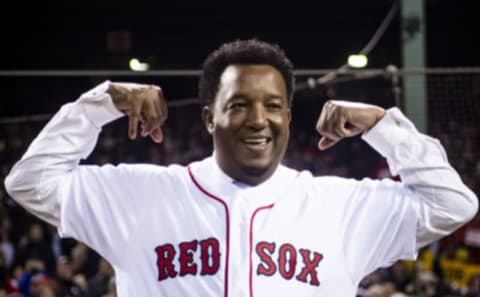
point(165, 255)
point(268, 266)
point(287, 271)
point(187, 266)
point(287, 262)
point(209, 257)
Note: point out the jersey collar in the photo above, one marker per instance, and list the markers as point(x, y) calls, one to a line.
point(211, 178)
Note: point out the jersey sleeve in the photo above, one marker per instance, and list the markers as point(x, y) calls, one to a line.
point(446, 203)
point(102, 205)
point(35, 181)
point(385, 220)
point(98, 205)
point(378, 226)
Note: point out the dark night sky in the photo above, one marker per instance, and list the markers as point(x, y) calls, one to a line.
point(179, 34)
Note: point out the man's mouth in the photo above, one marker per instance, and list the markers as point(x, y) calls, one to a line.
point(257, 142)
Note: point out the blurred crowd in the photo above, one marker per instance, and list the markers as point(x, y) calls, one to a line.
point(35, 262)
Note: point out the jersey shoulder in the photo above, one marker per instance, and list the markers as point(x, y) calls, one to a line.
point(327, 183)
point(150, 170)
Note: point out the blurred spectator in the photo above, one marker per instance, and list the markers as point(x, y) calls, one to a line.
point(6, 246)
point(100, 284)
point(35, 246)
point(84, 261)
point(43, 285)
point(427, 284)
point(69, 285)
point(3, 273)
point(400, 277)
point(33, 267)
point(380, 290)
point(112, 288)
point(473, 289)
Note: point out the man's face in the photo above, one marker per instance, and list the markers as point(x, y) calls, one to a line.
point(249, 121)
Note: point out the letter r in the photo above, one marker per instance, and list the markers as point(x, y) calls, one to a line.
point(166, 268)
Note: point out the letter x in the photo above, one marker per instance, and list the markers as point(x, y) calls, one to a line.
point(310, 266)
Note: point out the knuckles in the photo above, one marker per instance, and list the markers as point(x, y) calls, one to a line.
point(142, 102)
point(331, 120)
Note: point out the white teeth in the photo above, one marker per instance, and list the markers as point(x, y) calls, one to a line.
point(255, 140)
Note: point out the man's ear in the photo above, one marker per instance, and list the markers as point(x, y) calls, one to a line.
point(207, 116)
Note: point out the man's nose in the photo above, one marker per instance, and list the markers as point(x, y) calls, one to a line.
point(257, 117)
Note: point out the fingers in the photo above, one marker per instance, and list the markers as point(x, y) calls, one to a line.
point(157, 135)
point(161, 105)
point(147, 106)
point(161, 114)
point(332, 125)
point(150, 117)
point(340, 119)
point(133, 117)
point(326, 143)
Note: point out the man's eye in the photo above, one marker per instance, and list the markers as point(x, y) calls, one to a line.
point(237, 105)
point(274, 106)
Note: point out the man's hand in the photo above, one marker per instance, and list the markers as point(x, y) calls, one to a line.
point(144, 104)
point(340, 119)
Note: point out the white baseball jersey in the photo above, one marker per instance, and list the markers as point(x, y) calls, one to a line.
point(193, 231)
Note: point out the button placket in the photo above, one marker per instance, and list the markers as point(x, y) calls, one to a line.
point(239, 233)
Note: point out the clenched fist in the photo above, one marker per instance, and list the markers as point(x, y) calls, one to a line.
point(144, 104)
point(341, 119)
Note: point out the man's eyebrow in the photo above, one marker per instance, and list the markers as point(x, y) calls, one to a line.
point(237, 96)
point(270, 96)
point(274, 96)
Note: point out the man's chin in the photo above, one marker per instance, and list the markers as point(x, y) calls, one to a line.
point(258, 169)
point(255, 171)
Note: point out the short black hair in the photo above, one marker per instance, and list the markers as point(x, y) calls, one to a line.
point(251, 51)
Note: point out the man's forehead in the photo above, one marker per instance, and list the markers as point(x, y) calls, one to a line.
point(249, 75)
point(232, 71)
point(251, 80)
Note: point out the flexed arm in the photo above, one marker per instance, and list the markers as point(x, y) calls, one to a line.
point(71, 135)
point(445, 203)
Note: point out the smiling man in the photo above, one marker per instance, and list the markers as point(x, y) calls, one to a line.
point(249, 121)
point(239, 223)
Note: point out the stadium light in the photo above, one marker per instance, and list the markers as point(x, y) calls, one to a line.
point(136, 65)
point(357, 61)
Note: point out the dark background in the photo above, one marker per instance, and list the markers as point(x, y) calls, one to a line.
point(180, 34)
